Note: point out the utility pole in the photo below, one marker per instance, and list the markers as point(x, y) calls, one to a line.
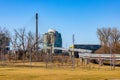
point(51, 51)
point(110, 45)
point(36, 36)
point(73, 60)
point(30, 52)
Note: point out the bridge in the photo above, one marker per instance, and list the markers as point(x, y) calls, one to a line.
point(66, 49)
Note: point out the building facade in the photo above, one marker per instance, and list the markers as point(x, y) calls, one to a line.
point(4, 43)
point(92, 47)
point(52, 39)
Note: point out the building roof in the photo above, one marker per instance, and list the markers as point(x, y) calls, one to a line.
point(51, 30)
point(92, 47)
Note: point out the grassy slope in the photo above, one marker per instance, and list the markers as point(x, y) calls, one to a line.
point(23, 73)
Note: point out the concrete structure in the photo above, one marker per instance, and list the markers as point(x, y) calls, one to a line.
point(52, 39)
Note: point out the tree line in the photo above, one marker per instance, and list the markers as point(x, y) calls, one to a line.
point(21, 43)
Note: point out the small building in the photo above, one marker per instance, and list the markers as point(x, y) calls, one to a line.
point(4, 42)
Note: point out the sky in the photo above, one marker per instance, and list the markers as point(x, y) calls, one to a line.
point(79, 17)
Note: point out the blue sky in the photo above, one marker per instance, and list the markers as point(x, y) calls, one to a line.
point(79, 17)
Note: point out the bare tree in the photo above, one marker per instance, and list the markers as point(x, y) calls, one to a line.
point(25, 44)
point(19, 41)
point(15, 46)
point(109, 36)
point(31, 38)
point(115, 37)
point(104, 37)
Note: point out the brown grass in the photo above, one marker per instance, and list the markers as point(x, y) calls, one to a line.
point(55, 73)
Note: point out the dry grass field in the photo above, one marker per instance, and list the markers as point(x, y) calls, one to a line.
point(63, 73)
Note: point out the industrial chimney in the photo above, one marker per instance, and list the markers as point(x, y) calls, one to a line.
point(36, 31)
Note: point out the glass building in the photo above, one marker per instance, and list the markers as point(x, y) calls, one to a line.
point(52, 39)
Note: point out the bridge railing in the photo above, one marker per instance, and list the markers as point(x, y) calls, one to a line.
point(102, 56)
point(77, 50)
